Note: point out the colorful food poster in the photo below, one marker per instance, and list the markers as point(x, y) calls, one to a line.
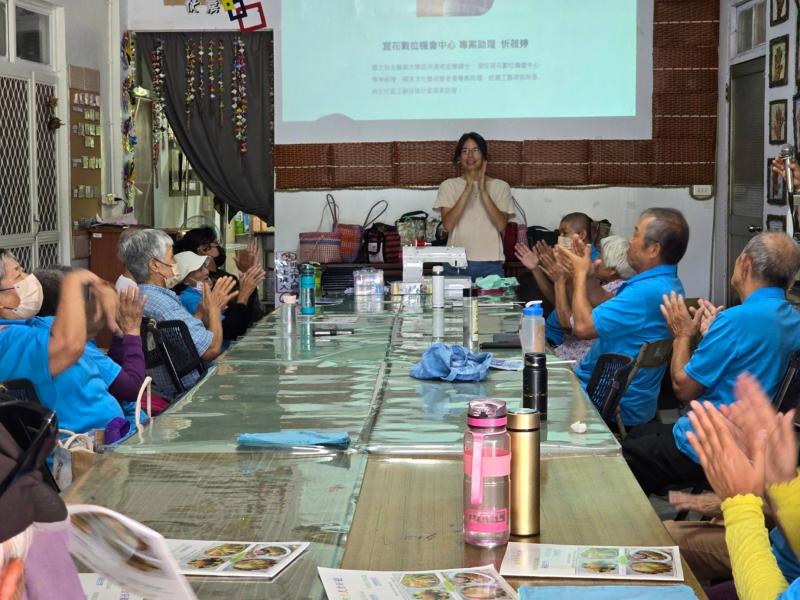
point(644, 563)
point(234, 559)
point(480, 583)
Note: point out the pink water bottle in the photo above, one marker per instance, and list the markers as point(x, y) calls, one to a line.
point(487, 464)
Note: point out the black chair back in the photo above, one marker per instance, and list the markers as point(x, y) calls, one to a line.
point(608, 383)
point(169, 344)
point(788, 394)
point(20, 389)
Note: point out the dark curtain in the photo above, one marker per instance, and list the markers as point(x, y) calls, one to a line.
point(243, 181)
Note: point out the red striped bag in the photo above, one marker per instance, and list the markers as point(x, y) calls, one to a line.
point(323, 247)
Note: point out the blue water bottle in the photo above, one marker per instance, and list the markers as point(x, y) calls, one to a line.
point(307, 289)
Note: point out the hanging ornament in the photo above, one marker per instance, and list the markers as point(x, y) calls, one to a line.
point(212, 75)
point(191, 69)
point(220, 82)
point(157, 104)
point(201, 80)
point(128, 59)
point(239, 94)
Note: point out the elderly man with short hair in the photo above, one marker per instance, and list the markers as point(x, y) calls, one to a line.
point(147, 254)
point(757, 336)
point(632, 318)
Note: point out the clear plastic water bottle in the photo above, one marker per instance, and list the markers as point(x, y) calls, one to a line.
point(532, 328)
point(487, 464)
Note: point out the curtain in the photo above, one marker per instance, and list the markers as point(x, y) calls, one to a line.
point(243, 181)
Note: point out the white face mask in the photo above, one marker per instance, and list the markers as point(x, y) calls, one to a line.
point(30, 295)
point(171, 282)
point(565, 241)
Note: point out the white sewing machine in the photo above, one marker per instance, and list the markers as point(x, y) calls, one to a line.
point(414, 259)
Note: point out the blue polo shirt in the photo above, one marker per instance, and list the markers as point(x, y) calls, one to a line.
point(79, 395)
point(757, 336)
point(552, 328)
point(623, 324)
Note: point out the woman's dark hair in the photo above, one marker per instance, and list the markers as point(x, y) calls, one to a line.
point(194, 238)
point(475, 137)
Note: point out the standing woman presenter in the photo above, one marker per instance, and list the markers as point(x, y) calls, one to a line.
point(475, 210)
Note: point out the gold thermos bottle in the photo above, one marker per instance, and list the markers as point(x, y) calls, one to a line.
point(523, 428)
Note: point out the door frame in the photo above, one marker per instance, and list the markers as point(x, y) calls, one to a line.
point(55, 74)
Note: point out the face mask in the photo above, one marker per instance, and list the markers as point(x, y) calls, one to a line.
point(171, 282)
point(220, 260)
point(30, 295)
point(565, 241)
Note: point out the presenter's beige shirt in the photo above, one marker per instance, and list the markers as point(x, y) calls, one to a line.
point(474, 231)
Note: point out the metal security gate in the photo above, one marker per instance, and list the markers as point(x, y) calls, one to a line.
point(29, 206)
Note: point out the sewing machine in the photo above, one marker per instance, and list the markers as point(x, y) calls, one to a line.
point(414, 258)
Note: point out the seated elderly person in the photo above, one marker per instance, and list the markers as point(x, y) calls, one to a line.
point(633, 317)
point(51, 353)
point(123, 368)
point(195, 272)
point(609, 272)
point(758, 336)
point(576, 223)
point(147, 254)
point(759, 463)
point(26, 300)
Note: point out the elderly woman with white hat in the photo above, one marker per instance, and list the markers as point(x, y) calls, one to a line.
point(147, 254)
point(195, 275)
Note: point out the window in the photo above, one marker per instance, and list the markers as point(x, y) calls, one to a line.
point(3, 30)
point(33, 35)
point(751, 26)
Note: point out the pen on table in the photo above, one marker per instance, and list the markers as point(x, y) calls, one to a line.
point(331, 332)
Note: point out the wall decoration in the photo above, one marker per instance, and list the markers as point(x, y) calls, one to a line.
point(776, 222)
point(778, 61)
point(157, 104)
point(775, 185)
point(239, 94)
point(796, 119)
point(191, 89)
point(777, 121)
point(778, 12)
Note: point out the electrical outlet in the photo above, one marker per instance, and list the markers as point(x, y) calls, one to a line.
point(701, 192)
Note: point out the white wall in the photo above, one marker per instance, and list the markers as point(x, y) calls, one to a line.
point(301, 211)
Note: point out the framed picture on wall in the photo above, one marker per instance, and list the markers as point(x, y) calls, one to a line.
point(778, 11)
point(776, 223)
point(778, 61)
point(796, 119)
point(775, 185)
point(777, 122)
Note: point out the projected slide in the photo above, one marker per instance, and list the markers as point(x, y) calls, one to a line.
point(432, 60)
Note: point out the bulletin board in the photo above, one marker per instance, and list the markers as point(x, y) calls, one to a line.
point(85, 147)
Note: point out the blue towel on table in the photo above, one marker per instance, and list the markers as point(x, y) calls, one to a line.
point(607, 592)
point(295, 438)
point(452, 363)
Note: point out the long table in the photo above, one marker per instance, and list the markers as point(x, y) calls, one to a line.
point(390, 501)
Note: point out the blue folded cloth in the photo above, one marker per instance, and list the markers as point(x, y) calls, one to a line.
point(607, 592)
point(295, 438)
point(452, 363)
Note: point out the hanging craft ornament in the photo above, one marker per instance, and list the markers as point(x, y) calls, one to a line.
point(201, 81)
point(128, 54)
point(212, 75)
point(157, 104)
point(220, 82)
point(191, 68)
point(239, 94)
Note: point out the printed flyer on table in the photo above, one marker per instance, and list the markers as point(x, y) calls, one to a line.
point(479, 583)
point(662, 563)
